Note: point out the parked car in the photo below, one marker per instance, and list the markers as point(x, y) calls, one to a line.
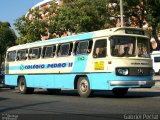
point(2, 81)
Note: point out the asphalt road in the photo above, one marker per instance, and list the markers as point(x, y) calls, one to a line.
point(137, 104)
point(101, 106)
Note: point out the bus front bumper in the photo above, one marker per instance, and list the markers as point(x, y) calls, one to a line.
point(132, 83)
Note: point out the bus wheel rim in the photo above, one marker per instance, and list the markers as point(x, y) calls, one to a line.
point(22, 86)
point(84, 86)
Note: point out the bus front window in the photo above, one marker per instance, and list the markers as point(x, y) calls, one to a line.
point(122, 46)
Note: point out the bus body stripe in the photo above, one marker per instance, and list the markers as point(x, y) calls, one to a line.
point(67, 80)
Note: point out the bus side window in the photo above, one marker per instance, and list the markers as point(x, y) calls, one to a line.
point(34, 53)
point(22, 55)
point(49, 51)
point(100, 48)
point(11, 56)
point(83, 47)
point(65, 49)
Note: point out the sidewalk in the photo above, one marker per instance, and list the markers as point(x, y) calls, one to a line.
point(157, 84)
point(157, 81)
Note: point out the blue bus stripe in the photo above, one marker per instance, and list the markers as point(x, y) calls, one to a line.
point(67, 80)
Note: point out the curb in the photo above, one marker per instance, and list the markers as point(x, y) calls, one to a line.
point(157, 84)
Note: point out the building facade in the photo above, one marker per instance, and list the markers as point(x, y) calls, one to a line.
point(42, 11)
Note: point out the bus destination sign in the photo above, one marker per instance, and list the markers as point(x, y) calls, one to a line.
point(134, 31)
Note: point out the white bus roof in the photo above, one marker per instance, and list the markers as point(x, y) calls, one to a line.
point(88, 35)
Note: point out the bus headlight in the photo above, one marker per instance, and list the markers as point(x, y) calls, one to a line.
point(122, 71)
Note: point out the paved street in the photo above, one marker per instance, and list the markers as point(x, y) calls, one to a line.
point(69, 105)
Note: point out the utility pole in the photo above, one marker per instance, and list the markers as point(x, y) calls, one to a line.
point(121, 12)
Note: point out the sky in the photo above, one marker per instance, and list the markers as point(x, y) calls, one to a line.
point(10, 10)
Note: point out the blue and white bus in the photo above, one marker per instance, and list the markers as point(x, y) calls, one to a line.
point(111, 59)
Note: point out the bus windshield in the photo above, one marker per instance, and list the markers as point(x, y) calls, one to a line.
point(123, 46)
point(143, 47)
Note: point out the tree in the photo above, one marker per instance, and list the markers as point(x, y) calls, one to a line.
point(29, 31)
point(83, 16)
point(154, 17)
point(79, 16)
point(7, 38)
point(146, 11)
point(33, 26)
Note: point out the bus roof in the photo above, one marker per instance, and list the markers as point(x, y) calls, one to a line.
point(83, 36)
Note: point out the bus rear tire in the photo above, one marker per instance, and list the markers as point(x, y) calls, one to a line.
point(119, 92)
point(22, 87)
point(84, 87)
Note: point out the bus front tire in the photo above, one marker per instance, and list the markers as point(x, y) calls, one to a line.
point(119, 92)
point(22, 87)
point(84, 87)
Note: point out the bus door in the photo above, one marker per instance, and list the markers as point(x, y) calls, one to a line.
point(99, 55)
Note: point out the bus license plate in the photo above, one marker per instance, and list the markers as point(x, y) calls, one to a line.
point(142, 82)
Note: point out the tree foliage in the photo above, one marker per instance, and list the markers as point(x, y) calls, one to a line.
point(7, 38)
point(147, 10)
point(29, 31)
point(79, 16)
point(84, 16)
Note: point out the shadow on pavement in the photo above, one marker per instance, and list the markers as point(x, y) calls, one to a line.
point(105, 94)
point(5, 89)
point(1, 98)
